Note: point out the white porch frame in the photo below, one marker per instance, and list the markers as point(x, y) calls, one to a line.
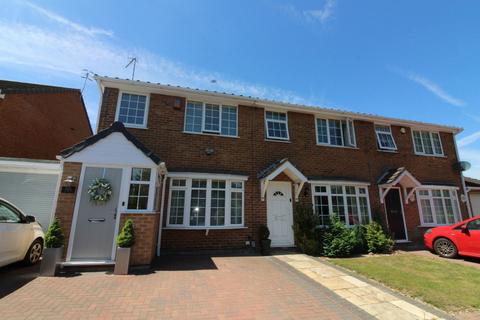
point(293, 173)
point(384, 188)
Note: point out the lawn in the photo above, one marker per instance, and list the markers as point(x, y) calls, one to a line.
point(448, 286)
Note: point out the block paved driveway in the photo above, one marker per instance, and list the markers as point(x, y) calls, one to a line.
point(188, 287)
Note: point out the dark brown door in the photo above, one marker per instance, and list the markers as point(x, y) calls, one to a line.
point(393, 204)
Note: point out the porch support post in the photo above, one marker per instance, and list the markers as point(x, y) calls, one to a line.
point(263, 188)
point(298, 187)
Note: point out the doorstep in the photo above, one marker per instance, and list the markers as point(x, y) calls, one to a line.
point(87, 263)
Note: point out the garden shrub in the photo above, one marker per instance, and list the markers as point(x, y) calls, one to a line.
point(263, 232)
point(126, 238)
point(306, 231)
point(359, 233)
point(338, 240)
point(377, 240)
point(54, 237)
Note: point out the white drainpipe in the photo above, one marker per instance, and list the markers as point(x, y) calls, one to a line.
point(160, 222)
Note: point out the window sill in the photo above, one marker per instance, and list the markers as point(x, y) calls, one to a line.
point(431, 155)
point(210, 134)
point(387, 151)
point(334, 146)
point(277, 140)
point(132, 126)
point(204, 228)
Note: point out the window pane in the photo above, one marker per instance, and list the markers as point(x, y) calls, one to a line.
point(132, 109)
point(197, 207)
point(417, 141)
point(212, 117)
point(193, 117)
point(437, 145)
point(229, 121)
point(134, 189)
point(237, 185)
point(236, 208)
point(218, 184)
point(217, 207)
point(352, 133)
point(142, 203)
point(140, 174)
point(177, 204)
point(196, 183)
point(144, 190)
point(364, 216)
point(439, 211)
point(449, 210)
point(8, 215)
point(385, 138)
point(427, 142)
point(335, 130)
point(276, 125)
point(322, 131)
point(178, 183)
point(322, 209)
point(338, 207)
point(352, 210)
point(426, 211)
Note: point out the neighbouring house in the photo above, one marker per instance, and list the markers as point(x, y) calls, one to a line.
point(473, 189)
point(36, 123)
point(200, 170)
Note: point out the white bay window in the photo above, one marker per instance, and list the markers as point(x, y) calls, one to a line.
point(349, 203)
point(438, 206)
point(199, 203)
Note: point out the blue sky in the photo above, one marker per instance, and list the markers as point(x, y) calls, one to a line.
point(406, 59)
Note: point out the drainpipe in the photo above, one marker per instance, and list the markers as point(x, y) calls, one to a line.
point(464, 186)
point(162, 205)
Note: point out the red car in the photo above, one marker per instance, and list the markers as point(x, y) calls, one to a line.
point(462, 239)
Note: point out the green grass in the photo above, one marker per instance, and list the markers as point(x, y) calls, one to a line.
point(446, 285)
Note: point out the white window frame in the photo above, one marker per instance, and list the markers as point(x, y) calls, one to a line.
point(329, 194)
point(147, 107)
point(434, 154)
point(348, 133)
point(278, 121)
point(151, 189)
point(210, 132)
point(453, 197)
point(377, 134)
point(188, 191)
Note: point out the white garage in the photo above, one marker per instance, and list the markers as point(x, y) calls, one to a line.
point(31, 186)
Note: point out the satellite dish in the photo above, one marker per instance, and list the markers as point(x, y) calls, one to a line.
point(463, 165)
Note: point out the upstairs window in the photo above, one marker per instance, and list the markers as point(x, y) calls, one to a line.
point(276, 124)
point(427, 143)
point(132, 110)
point(335, 132)
point(211, 118)
point(385, 139)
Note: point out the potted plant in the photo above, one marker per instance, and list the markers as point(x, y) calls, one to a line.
point(125, 241)
point(265, 242)
point(53, 249)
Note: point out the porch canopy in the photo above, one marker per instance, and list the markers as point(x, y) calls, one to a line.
point(281, 166)
point(400, 177)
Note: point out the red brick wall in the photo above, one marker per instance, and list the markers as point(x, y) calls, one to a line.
point(66, 201)
point(251, 152)
point(145, 227)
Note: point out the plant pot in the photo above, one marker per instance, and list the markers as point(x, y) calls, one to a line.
point(50, 258)
point(122, 261)
point(265, 247)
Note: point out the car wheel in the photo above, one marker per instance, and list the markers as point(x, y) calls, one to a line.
point(34, 252)
point(445, 248)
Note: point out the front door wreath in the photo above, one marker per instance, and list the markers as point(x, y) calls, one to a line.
point(100, 190)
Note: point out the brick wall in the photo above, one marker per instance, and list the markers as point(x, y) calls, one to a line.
point(251, 152)
point(145, 227)
point(66, 201)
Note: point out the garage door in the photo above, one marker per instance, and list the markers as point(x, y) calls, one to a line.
point(475, 199)
point(32, 193)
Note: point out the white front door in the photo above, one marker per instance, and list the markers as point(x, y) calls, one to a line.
point(279, 213)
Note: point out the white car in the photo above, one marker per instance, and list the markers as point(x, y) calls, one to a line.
point(21, 237)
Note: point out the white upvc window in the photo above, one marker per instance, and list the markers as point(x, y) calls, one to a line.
point(199, 203)
point(427, 143)
point(141, 184)
point(211, 118)
point(335, 132)
point(385, 139)
point(276, 125)
point(438, 206)
point(350, 203)
point(132, 109)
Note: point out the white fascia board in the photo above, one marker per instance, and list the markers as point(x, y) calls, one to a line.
point(225, 98)
point(339, 182)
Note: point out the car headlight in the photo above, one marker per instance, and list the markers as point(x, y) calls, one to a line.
point(428, 231)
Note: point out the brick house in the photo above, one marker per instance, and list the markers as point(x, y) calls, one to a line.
point(36, 122)
point(202, 170)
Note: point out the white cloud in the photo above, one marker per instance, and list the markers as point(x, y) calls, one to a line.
point(65, 52)
point(465, 141)
point(321, 15)
point(91, 31)
point(431, 86)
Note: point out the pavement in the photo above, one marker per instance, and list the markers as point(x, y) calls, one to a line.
point(184, 287)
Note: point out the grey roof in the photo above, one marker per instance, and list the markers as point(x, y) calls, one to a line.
point(471, 182)
point(115, 127)
point(7, 86)
point(390, 175)
point(265, 172)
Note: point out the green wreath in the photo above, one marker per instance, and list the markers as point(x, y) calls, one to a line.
point(100, 190)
